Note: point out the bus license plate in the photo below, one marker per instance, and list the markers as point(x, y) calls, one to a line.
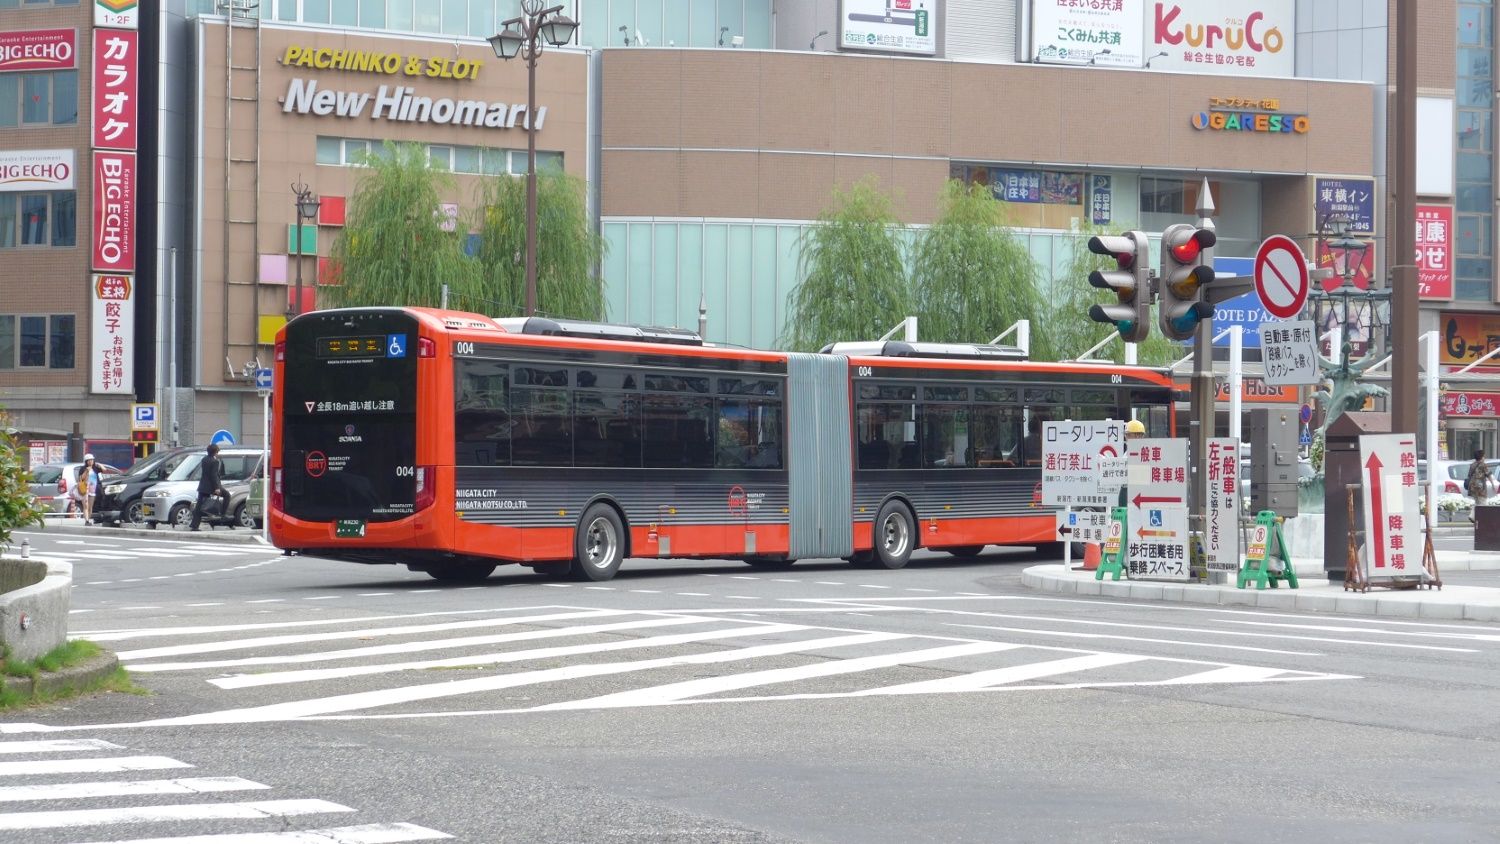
point(349, 528)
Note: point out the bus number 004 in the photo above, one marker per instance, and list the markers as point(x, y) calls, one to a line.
point(1116, 378)
point(864, 372)
point(406, 471)
point(463, 348)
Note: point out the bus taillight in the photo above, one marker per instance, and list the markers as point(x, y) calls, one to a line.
point(276, 496)
point(426, 348)
point(280, 351)
point(426, 487)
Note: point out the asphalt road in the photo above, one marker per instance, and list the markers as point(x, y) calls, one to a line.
point(711, 702)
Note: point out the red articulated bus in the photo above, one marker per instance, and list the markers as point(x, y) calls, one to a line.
point(452, 442)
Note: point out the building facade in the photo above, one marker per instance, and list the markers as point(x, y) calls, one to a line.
point(712, 133)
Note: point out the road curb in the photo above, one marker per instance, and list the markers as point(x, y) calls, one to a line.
point(73, 678)
point(208, 534)
point(1470, 603)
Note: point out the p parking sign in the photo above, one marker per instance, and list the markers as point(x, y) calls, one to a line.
point(143, 417)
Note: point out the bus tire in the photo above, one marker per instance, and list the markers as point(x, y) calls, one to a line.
point(461, 572)
point(598, 544)
point(965, 550)
point(895, 535)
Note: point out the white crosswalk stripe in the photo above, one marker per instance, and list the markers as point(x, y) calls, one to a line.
point(32, 807)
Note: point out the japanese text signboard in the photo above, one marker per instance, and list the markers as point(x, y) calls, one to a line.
point(120, 14)
point(115, 91)
point(1157, 542)
point(1082, 463)
point(1351, 199)
point(112, 350)
point(1083, 526)
point(1435, 251)
point(1467, 337)
point(1221, 528)
point(1392, 519)
point(1289, 352)
point(37, 49)
point(889, 26)
point(1070, 32)
point(1101, 200)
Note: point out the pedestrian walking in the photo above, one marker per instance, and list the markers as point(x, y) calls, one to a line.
point(210, 484)
point(1478, 482)
point(86, 486)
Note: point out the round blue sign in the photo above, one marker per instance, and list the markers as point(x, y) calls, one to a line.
point(1306, 412)
point(222, 437)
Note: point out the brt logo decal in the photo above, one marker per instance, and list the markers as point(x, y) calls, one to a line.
point(316, 464)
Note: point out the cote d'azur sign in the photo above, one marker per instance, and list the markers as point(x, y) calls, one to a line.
point(400, 103)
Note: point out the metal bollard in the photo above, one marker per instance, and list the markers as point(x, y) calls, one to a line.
point(25, 548)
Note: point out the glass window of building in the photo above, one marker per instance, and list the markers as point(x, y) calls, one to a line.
point(10, 101)
point(401, 15)
point(36, 98)
point(64, 218)
point(346, 12)
point(8, 226)
point(34, 219)
point(65, 97)
point(1474, 223)
point(60, 342)
point(673, 23)
point(372, 14)
point(38, 219)
point(315, 11)
point(7, 341)
point(33, 341)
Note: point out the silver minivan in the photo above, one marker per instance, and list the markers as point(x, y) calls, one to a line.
point(172, 500)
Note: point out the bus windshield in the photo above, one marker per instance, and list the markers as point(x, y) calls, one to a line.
point(348, 448)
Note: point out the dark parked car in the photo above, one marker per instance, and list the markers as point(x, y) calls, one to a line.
point(119, 499)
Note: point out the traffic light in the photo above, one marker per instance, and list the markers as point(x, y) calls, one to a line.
point(1130, 280)
point(1186, 267)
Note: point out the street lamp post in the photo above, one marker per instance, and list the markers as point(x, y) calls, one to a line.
point(523, 36)
point(307, 210)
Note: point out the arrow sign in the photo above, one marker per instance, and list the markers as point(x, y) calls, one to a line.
point(1376, 509)
point(1146, 499)
point(1280, 274)
point(1143, 533)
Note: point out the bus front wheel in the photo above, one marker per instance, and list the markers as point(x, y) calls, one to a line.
point(894, 536)
point(599, 544)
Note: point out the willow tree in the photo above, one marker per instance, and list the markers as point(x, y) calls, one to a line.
point(1069, 297)
point(972, 276)
point(18, 507)
point(854, 284)
point(568, 247)
point(397, 247)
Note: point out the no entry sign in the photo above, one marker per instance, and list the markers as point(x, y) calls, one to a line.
point(1281, 276)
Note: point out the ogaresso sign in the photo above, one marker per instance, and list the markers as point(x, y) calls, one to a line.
point(1251, 121)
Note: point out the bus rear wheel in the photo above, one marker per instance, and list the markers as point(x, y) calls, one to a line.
point(462, 572)
point(598, 544)
point(894, 536)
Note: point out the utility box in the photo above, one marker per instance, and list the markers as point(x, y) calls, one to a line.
point(1340, 469)
point(1273, 461)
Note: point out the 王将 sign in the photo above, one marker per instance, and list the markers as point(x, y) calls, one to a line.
point(1156, 497)
point(1390, 506)
point(112, 350)
point(1082, 463)
point(1289, 352)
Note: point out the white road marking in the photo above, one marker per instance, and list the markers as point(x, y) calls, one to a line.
point(149, 632)
point(240, 681)
point(210, 604)
point(374, 594)
point(157, 814)
point(375, 833)
point(1122, 638)
point(293, 710)
point(693, 594)
point(76, 612)
point(672, 692)
point(1011, 674)
point(267, 601)
point(56, 746)
point(872, 586)
point(323, 598)
point(98, 555)
point(131, 788)
point(1330, 628)
point(115, 765)
point(647, 591)
point(416, 647)
point(827, 583)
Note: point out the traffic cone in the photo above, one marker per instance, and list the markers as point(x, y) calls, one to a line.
point(1092, 553)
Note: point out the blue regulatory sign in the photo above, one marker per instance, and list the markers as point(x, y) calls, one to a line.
point(1244, 310)
point(395, 345)
point(263, 379)
point(222, 437)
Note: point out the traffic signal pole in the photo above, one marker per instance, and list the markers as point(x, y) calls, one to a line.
point(1203, 389)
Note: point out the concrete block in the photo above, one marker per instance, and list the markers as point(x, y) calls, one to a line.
point(1279, 599)
point(1397, 608)
point(1482, 612)
point(43, 608)
point(1312, 602)
point(1200, 595)
point(1089, 587)
point(1358, 604)
point(1146, 591)
point(1172, 593)
point(1433, 609)
point(1111, 589)
point(1239, 597)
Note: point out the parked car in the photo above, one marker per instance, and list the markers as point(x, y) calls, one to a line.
point(1453, 475)
point(172, 500)
point(51, 482)
point(255, 505)
point(120, 499)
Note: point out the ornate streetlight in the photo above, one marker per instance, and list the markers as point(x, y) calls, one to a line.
point(1344, 375)
point(524, 36)
point(307, 210)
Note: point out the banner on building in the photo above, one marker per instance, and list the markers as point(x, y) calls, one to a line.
point(120, 14)
point(36, 170)
point(112, 353)
point(38, 49)
point(1435, 251)
point(1351, 199)
point(116, 88)
point(1239, 37)
point(1101, 200)
point(114, 211)
point(889, 26)
point(1069, 32)
point(1467, 337)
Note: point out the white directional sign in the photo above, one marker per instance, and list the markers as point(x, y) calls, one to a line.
point(1082, 463)
point(1281, 278)
point(1289, 350)
point(1221, 529)
point(1393, 534)
point(1156, 545)
point(1083, 525)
